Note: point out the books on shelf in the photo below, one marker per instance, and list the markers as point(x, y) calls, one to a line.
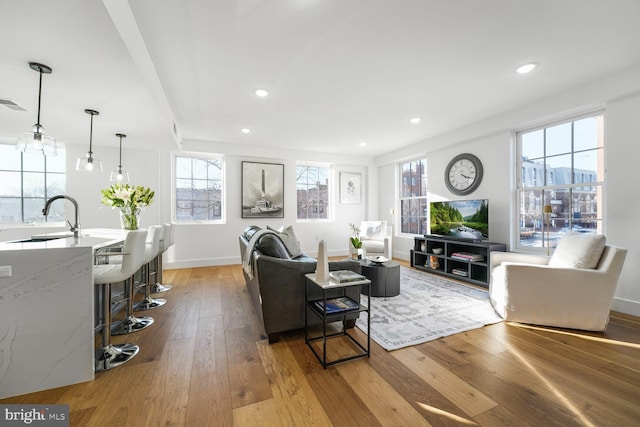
point(337, 305)
point(459, 272)
point(345, 276)
point(467, 256)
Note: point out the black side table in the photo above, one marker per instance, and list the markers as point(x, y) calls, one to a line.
point(385, 277)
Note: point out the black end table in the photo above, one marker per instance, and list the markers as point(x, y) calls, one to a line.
point(385, 277)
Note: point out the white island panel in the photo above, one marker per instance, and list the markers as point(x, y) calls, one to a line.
point(46, 318)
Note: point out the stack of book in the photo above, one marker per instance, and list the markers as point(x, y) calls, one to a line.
point(345, 276)
point(459, 272)
point(337, 305)
point(467, 256)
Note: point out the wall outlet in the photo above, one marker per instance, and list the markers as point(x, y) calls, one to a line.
point(5, 271)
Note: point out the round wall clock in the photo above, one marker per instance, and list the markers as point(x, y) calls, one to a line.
point(463, 174)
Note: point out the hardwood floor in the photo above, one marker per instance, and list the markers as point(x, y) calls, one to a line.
point(205, 362)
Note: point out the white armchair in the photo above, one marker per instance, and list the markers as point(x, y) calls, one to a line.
point(572, 289)
point(376, 237)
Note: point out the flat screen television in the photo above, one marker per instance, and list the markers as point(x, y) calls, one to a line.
point(461, 219)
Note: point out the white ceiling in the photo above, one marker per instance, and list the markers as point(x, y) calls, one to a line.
point(340, 72)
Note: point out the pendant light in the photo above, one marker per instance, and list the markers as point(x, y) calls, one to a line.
point(118, 174)
point(37, 140)
point(89, 163)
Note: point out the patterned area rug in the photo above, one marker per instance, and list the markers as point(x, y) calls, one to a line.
point(428, 307)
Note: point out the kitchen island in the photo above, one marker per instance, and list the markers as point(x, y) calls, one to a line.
point(47, 310)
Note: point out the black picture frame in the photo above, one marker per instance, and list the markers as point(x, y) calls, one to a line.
point(262, 190)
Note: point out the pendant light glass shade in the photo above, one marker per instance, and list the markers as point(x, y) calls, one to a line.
point(36, 140)
point(118, 174)
point(89, 163)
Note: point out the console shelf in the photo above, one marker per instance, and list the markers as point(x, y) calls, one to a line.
point(459, 259)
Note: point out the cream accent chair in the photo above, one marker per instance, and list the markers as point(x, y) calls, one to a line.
point(376, 237)
point(572, 289)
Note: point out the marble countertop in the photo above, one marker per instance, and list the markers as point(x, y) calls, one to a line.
point(95, 238)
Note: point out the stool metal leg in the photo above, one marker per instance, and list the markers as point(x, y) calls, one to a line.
point(111, 355)
point(159, 287)
point(131, 323)
point(148, 303)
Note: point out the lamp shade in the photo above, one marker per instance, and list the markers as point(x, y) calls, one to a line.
point(547, 209)
point(118, 174)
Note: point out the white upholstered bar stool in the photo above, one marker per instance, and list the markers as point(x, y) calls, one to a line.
point(167, 240)
point(112, 355)
point(151, 251)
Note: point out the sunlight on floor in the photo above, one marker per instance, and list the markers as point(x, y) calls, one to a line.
point(553, 389)
point(454, 417)
point(575, 334)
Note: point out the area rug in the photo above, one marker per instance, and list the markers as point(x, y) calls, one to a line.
point(428, 307)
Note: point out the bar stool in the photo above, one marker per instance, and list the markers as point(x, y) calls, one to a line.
point(132, 323)
point(112, 355)
point(151, 252)
point(167, 240)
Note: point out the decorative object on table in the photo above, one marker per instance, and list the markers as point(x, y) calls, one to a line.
point(130, 200)
point(434, 262)
point(322, 267)
point(548, 210)
point(423, 247)
point(436, 251)
point(119, 174)
point(350, 187)
point(262, 190)
point(36, 139)
point(89, 163)
point(345, 276)
point(427, 308)
point(378, 259)
point(355, 241)
point(463, 174)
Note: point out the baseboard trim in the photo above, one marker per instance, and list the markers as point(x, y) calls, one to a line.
point(626, 306)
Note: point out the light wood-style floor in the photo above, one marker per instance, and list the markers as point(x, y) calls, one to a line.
point(205, 362)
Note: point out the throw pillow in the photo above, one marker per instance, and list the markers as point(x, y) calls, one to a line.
point(289, 239)
point(374, 229)
point(578, 250)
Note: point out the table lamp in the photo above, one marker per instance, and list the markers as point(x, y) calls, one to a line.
point(547, 210)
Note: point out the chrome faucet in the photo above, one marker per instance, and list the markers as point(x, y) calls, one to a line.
point(75, 227)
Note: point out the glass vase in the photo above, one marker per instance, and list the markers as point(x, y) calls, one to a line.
point(129, 219)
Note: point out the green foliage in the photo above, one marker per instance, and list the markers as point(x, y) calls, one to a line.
point(127, 196)
point(355, 239)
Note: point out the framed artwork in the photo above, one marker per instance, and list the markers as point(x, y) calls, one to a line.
point(262, 190)
point(350, 187)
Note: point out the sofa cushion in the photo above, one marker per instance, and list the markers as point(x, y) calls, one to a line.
point(578, 250)
point(289, 239)
point(272, 245)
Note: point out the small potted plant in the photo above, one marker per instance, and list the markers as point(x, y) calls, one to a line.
point(355, 240)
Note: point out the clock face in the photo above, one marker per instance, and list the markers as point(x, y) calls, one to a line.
point(463, 174)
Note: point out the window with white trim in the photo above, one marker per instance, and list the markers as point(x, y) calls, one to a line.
point(312, 192)
point(199, 188)
point(560, 166)
point(27, 180)
point(414, 207)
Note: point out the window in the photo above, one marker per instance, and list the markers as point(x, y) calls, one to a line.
point(561, 166)
point(312, 192)
point(413, 197)
point(27, 181)
point(199, 184)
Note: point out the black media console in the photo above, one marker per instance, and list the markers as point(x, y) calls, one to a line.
point(465, 260)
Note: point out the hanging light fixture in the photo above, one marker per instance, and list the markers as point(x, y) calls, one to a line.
point(37, 140)
point(89, 163)
point(118, 174)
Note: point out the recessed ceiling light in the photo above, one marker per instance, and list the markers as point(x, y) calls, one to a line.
point(415, 120)
point(245, 130)
point(363, 144)
point(526, 68)
point(261, 92)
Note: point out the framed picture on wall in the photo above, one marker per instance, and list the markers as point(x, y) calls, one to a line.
point(350, 187)
point(262, 190)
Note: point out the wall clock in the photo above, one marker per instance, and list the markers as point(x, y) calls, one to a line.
point(463, 174)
